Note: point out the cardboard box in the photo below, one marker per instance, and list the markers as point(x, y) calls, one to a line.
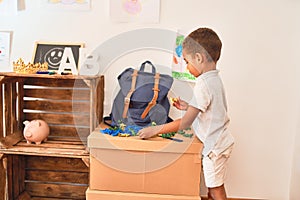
point(155, 166)
point(108, 195)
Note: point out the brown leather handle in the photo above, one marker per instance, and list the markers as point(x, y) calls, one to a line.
point(155, 96)
point(127, 98)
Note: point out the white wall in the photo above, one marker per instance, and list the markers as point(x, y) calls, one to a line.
point(258, 65)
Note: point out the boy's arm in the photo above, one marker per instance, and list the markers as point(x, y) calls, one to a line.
point(174, 126)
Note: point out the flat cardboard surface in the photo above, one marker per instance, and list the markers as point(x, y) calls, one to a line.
point(108, 195)
point(97, 140)
point(157, 165)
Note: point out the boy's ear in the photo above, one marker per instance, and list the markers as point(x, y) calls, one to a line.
point(199, 57)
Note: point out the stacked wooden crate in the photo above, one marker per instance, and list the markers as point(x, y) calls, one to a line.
point(58, 168)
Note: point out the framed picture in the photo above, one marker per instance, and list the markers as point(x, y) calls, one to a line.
point(52, 53)
point(179, 66)
point(144, 11)
point(5, 49)
point(66, 5)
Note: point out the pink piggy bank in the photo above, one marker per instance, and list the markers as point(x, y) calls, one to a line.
point(36, 131)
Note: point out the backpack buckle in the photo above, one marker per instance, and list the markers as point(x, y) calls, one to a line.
point(126, 100)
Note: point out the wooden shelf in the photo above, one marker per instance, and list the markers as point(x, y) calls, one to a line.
point(72, 149)
point(59, 167)
point(54, 76)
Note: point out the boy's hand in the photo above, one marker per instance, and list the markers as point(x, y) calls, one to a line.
point(179, 104)
point(149, 132)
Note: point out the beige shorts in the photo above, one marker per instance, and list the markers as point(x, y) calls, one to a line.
point(214, 168)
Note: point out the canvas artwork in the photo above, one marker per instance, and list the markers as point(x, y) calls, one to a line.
point(135, 11)
point(179, 66)
point(4, 50)
point(75, 5)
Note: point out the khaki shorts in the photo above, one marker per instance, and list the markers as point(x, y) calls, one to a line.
point(214, 168)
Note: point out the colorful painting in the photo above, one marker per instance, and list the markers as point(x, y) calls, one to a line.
point(67, 4)
point(179, 67)
point(132, 7)
point(135, 10)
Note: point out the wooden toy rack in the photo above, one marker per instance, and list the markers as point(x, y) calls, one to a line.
point(59, 167)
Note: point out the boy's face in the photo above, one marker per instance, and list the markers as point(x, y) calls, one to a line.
point(193, 64)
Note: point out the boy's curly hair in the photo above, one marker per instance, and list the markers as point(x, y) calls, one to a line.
point(203, 40)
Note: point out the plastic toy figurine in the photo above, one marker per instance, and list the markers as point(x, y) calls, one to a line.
point(36, 131)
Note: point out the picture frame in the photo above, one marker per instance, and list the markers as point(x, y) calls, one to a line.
point(66, 5)
point(179, 66)
point(52, 52)
point(143, 11)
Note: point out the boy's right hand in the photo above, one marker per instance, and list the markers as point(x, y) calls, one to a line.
point(179, 103)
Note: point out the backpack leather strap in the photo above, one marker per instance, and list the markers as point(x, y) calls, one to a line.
point(127, 98)
point(155, 96)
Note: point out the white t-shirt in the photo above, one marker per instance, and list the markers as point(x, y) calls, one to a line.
point(211, 124)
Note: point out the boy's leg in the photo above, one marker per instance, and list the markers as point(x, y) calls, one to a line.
point(214, 169)
point(209, 197)
point(217, 193)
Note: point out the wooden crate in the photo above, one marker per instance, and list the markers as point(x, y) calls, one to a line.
point(73, 107)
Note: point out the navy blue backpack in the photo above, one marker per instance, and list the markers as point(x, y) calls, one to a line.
point(142, 98)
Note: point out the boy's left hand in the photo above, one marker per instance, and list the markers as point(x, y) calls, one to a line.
point(149, 132)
